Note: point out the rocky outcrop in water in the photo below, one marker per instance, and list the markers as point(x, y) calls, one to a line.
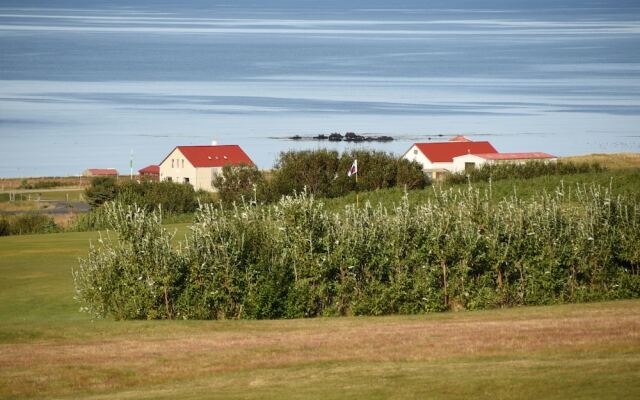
point(347, 137)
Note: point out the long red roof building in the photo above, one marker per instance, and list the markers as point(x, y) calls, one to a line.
point(445, 151)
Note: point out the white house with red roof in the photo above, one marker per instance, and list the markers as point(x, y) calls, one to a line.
point(199, 165)
point(460, 154)
point(150, 172)
point(437, 157)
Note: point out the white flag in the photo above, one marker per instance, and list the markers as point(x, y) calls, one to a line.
point(354, 168)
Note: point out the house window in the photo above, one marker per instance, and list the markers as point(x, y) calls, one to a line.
point(183, 163)
point(415, 151)
point(172, 163)
point(469, 166)
point(186, 180)
point(169, 179)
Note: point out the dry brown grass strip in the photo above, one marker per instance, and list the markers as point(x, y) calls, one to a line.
point(130, 361)
point(612, 160)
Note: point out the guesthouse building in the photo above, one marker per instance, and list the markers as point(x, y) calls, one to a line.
point(199, 165)
point(437, 157)
point(461, 154)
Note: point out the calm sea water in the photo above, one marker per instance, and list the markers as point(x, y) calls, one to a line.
point(84, 83)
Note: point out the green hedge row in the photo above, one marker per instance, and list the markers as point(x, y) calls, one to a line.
point(526, 170)
point(294, 259)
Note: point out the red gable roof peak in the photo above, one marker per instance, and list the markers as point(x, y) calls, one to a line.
point(445, 151)
point(150, 169)
point(459, 138)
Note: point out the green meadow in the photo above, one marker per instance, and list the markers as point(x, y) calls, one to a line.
point(49, 349)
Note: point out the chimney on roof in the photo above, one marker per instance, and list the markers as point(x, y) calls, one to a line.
point(214, 143)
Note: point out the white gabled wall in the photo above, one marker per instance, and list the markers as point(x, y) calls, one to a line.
point(414, 154)
point(177, 167)
point(200, 178)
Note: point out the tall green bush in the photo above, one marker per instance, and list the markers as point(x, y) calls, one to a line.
point(134, 275)
point(294, 259)
point(323, 173)
point(101, 190)
point(314, 170)
point(238, 183)
point(5, 227)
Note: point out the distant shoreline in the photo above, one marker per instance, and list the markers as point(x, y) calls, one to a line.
point(625, 160)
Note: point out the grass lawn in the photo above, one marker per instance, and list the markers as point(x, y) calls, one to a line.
point(50, 350)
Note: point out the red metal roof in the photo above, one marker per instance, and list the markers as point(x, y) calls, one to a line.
point(103, 171)
point(445, 151)
point(514, 156)
point(150, 170)
point(214, 156)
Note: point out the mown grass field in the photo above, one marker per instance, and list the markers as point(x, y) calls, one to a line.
point(50, 350)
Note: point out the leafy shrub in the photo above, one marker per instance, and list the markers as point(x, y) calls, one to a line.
point(173, 198)
point(27, 224)
point(527, 170)
point(410, 176)
point(314, 170)
point(323, 173)
point(238, 183)
point(294, 259)
point(5, 227)
point(102, 190)
point(138, 276)
point(93, 220)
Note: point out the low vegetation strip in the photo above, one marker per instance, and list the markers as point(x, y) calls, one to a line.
point(294, 259)
point(527, 170)
point(576, 351)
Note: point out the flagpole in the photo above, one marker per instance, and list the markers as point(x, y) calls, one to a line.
point(357, 197)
